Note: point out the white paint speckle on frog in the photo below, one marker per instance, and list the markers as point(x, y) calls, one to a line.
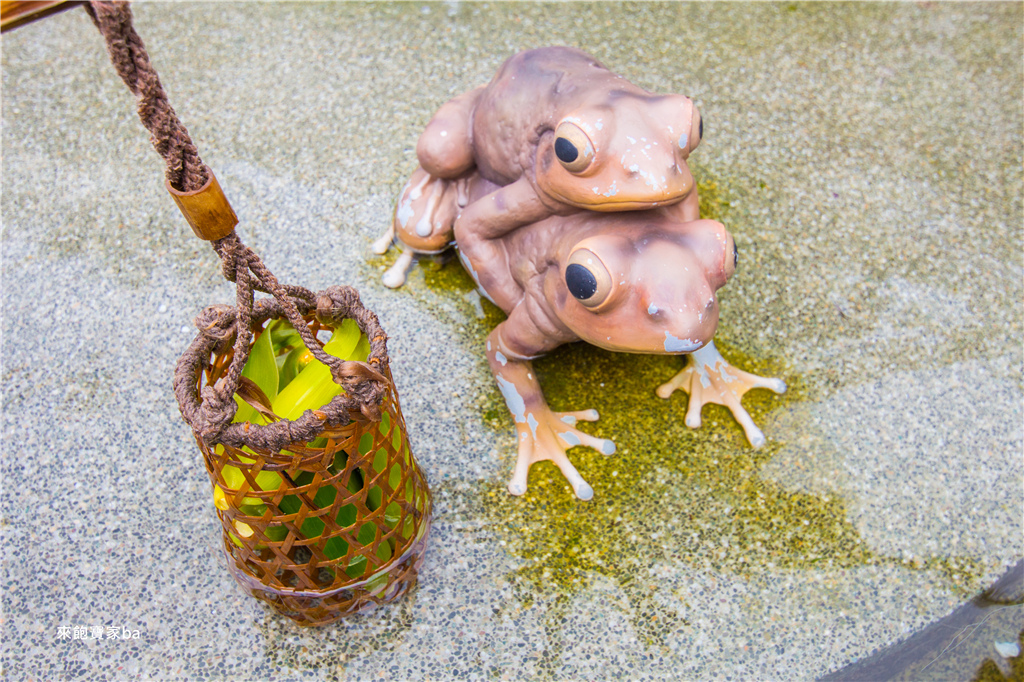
point(404, 212)
point(598, 124)
point(613, 190)
point(500, 357)
point(569, 419)
point(632, 140)
point(472, 273)
point(570, 438)
point(533, 423)
point(488, 345)
point(683, 140)
point(709, 359)
point(514, 401)
point(607, 447)
point(676, 345)
point(652, 309)
point(444, 133)
point(423, 226)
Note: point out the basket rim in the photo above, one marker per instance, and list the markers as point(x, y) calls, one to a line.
point(217, 331)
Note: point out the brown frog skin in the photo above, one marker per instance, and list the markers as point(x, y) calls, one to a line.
point(555, 132)
point(636, 282)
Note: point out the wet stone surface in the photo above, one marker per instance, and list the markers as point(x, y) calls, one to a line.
point(868, 161)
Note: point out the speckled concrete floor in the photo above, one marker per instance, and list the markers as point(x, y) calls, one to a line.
point(868, 160)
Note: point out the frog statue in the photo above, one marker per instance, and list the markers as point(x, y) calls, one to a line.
point(557, 133)
point(628, 267)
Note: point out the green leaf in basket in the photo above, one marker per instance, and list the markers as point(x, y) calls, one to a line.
point(277, 533)
point(392, 513)
point(325, 497)
point(374, 497)
point(335, 548)
point(290, 504)
point(362, 351)
point(314, 387)
point(293, 362)
point(346, 516)
point(356, 567)
point(312, 527)
point(261, 368)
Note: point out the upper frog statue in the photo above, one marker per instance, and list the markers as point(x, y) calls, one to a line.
point(557, 133)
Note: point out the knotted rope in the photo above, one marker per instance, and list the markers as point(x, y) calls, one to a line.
point(364, 383)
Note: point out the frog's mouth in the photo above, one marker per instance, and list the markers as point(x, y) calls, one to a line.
point(610, 206)
point(619, 203)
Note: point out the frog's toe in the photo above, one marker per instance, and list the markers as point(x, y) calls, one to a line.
point(673, 385)
point(381, 246)
point(517, 487)
point(573, 437)
point(580, 488)
point(754, 435)
point(571, 418)
point(693, 409)
point(517, 484)
point(394, 277)
point(755, 381)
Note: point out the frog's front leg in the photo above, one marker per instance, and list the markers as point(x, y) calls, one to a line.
point(541, 433)
point(708, 378)
point(480, 227)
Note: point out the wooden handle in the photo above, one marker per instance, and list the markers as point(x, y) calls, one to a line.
point(14, 13)
point(207, 209)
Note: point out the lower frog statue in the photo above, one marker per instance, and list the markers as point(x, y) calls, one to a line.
point(635, 282)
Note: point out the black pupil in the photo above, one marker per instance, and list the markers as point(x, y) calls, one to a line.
point(566, 151)
point(581, 282)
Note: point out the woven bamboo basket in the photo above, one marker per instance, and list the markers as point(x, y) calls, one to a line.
point(329, 523)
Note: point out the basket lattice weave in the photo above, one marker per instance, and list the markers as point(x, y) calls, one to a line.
point(357, 484)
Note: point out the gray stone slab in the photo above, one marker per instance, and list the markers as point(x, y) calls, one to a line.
point(867, 159)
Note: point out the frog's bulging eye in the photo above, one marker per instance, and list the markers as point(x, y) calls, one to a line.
point(587, 278)
point(573, 148)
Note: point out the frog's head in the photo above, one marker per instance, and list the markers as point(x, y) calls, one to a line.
point(625, 153)
point(647, 288)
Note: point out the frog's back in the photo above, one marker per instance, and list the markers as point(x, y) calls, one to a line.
point(528, 96)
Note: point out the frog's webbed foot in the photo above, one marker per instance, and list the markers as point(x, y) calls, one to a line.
point(708, 378)
point(543, 434)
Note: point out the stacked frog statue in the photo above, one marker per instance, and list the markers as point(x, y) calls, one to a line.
point(566, 192)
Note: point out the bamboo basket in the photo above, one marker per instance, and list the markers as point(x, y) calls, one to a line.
point(323, 526)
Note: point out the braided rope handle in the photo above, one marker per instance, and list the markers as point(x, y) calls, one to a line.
point(189, 181)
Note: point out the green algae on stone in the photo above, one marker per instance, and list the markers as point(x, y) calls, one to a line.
point(669, 495)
